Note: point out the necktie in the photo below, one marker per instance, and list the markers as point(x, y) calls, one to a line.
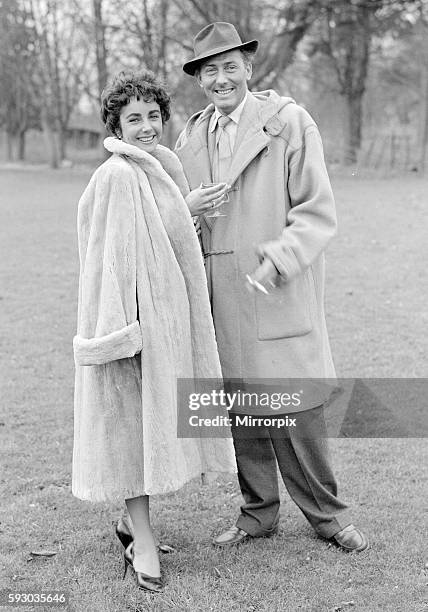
point(223, 152)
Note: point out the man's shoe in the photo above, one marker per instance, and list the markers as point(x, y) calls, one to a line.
point(351, 539)
point(234, 535)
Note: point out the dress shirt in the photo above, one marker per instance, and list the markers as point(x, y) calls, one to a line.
point(232, 126)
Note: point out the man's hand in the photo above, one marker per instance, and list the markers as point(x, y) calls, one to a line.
point(264, 276)
point(202, 199)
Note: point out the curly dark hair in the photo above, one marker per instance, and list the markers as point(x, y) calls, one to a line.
point(127, 85)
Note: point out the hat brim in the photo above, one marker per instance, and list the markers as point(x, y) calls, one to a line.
point(191, 66)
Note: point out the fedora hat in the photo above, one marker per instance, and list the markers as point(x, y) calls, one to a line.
point(213, 39)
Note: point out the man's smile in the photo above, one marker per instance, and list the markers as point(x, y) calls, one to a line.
point(223, 92)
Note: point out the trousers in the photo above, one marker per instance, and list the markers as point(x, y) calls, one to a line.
point(304, 465)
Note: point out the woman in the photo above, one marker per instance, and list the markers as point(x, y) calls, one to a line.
point(143, 320)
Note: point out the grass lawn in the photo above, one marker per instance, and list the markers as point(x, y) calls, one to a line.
point(377, 316)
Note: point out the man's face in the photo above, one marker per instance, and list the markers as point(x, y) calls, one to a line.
point(224, 79)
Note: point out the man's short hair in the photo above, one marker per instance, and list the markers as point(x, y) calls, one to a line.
point(248, 56)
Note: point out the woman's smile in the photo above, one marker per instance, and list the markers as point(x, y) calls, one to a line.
point(146, 139)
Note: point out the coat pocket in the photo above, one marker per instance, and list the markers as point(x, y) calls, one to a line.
point(287, 311)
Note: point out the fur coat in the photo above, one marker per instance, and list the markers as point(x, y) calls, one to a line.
point(143, 321)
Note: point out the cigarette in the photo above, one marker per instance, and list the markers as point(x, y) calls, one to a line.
point(256, 284)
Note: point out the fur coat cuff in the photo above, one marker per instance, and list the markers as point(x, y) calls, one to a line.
point(125, 342)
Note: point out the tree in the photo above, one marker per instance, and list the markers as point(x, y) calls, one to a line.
point(100, 45)
point(345, 35)
point(400, 66)
point(43, 63)
point(18, 110)
point(69, 61)
point(422, 34)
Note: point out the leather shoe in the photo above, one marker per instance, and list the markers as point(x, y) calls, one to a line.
point(351, 539)
point(235, 535)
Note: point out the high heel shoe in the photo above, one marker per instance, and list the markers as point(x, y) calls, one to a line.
point(144, 581)
point(125, 536)
point(124, 533)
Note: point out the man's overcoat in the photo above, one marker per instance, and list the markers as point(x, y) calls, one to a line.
point(282, 207)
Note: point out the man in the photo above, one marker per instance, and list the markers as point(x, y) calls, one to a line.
point(269, 238)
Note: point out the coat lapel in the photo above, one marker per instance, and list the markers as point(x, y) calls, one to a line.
point(194, 154)
point(250, 139)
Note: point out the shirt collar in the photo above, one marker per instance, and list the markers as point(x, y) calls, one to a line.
point(235, 115)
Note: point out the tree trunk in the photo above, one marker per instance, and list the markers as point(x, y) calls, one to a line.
point(21, 145)
point(62, 143)
point(57, 92)
point(100, 45)
point(352, 128)
point(423, 112)
point(349, 31)
point(50, 141)
point(424, 120)
point(162, 47)
point(101, 55)
point(9, 146)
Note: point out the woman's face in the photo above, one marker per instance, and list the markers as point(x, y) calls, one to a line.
point(141, 124)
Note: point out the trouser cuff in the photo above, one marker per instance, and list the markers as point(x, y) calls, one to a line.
point(330, 528)
point(254, 529)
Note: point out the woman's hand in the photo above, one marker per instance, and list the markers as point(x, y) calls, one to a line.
point(202, 199)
